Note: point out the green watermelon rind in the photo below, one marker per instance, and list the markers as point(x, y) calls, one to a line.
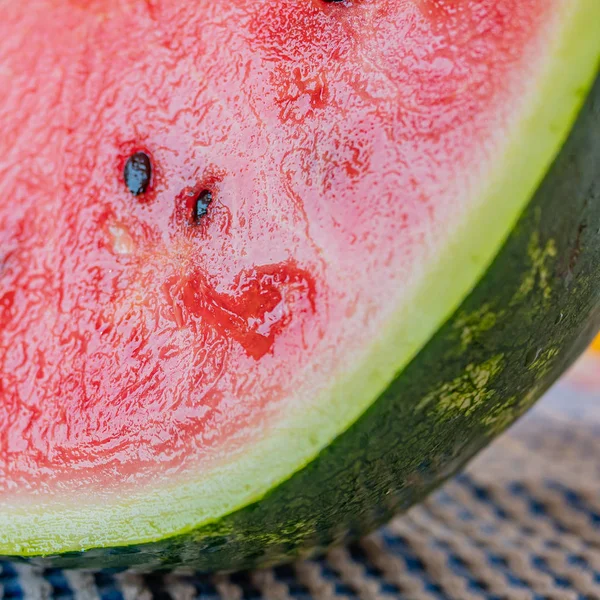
point(524, 322)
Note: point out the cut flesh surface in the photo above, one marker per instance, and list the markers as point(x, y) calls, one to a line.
point(366, 161)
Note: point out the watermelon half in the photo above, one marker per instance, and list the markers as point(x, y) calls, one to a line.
point(270, 271)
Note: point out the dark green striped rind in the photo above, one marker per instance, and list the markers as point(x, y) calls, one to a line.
point(528, 318)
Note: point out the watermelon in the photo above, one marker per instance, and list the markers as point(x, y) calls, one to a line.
point(270, 272)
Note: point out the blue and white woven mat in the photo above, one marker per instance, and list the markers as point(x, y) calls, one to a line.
point(522, 523)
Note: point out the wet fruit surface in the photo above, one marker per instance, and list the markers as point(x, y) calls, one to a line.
point(141, 333)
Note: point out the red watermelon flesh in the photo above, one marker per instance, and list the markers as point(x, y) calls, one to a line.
point(343, 145)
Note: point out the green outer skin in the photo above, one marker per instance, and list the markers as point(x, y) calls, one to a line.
point(529, 317)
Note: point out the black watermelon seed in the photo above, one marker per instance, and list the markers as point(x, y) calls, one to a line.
point(137, 173)
point(201, 205)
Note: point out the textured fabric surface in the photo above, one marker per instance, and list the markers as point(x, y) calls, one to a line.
point(522, 522)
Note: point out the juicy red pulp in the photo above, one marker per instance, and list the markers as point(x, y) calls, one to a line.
point(255, 309)
point(137, 340)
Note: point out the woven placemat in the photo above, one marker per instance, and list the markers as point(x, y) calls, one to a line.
point(523, 522)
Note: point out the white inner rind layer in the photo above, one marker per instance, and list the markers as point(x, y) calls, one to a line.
point(565, 73)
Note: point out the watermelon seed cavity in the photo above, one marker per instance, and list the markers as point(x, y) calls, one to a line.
point(137, 173)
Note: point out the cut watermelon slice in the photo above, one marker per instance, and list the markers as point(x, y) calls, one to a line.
point(272, 271)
